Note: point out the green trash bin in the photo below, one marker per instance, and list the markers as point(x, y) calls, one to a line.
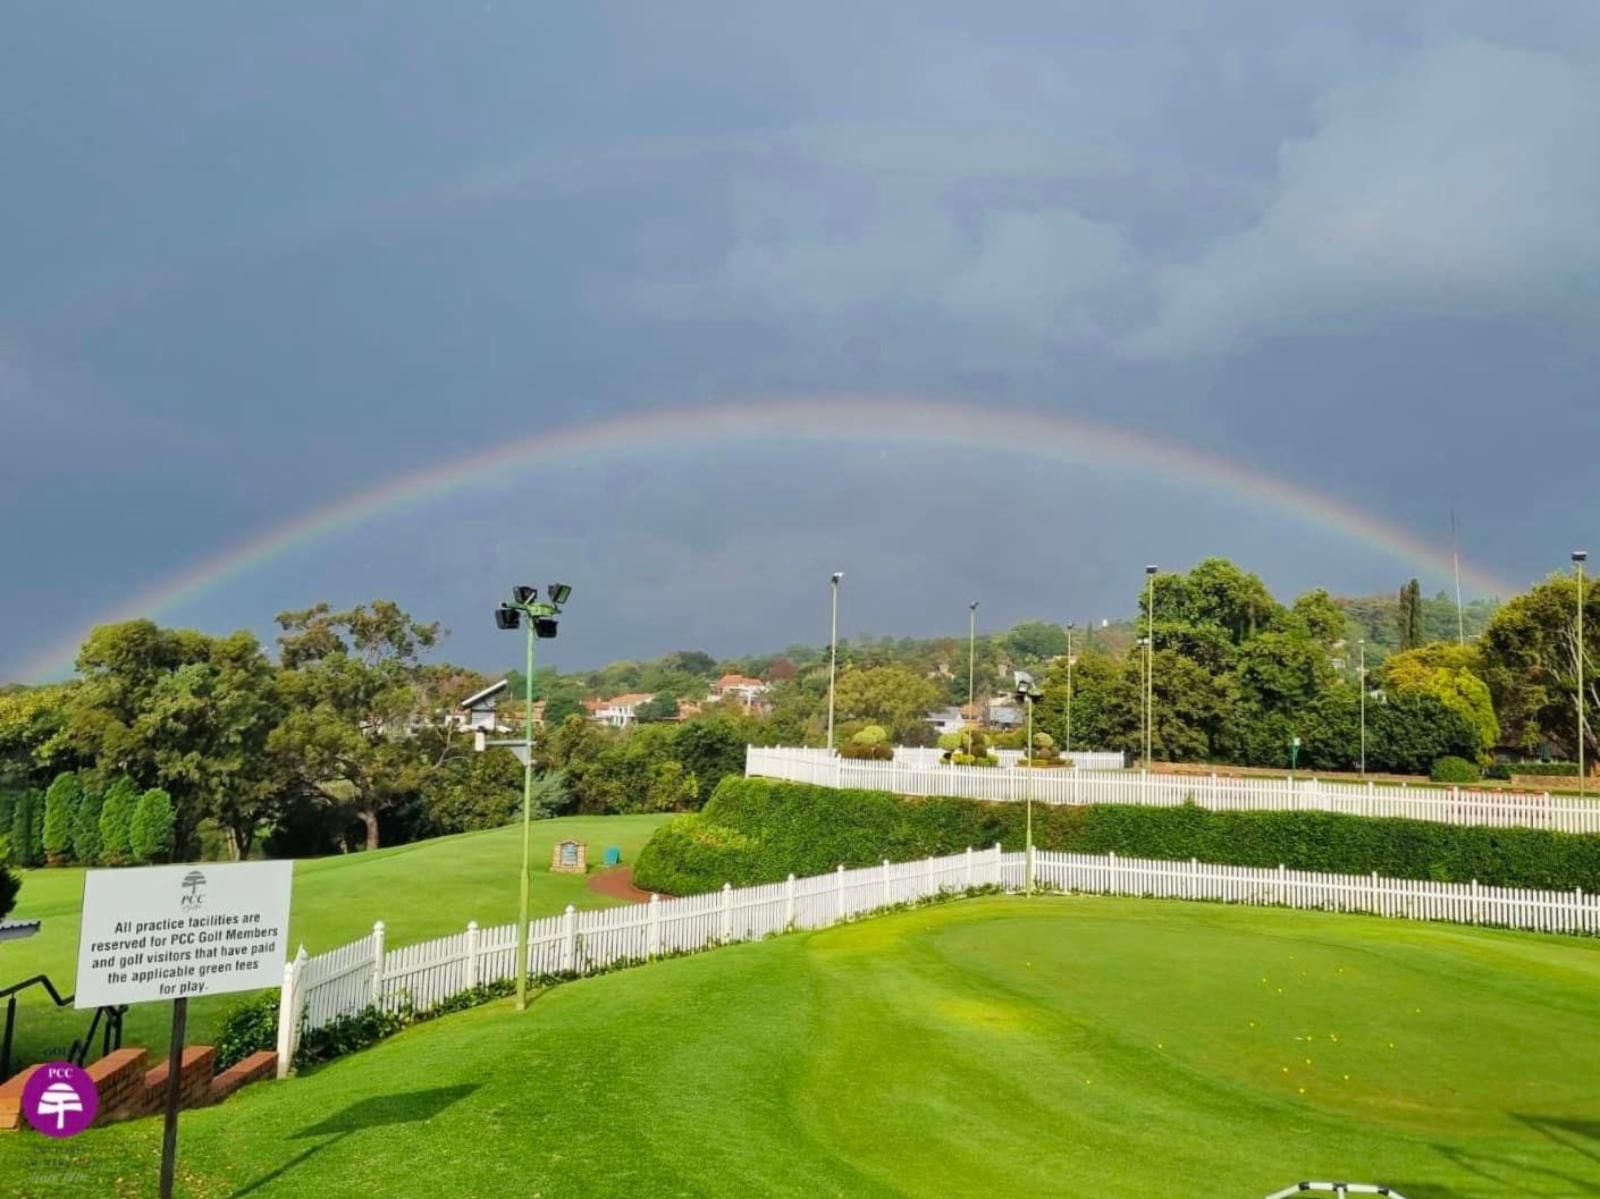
point(613, 855)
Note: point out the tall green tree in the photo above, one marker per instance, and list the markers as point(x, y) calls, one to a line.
point(86, 846)
point(116, 815)
point(152, 828)
point(1412, 632)
point(892, 696)
point(1530, 655)
point(357, 693)
point(60, 802)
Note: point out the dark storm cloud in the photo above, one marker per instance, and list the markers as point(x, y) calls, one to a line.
point(258, 260)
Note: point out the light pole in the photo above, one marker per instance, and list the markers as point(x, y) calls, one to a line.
point(972, 658)
point(1361, 671)
point(1069, 690)
point(1150, 662)
point(1578, 559)
point(541, 619)
point(1027, 692)
point(833, 653)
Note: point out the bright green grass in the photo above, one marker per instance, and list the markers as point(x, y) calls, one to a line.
point(422, 890)
point(1080, 1047)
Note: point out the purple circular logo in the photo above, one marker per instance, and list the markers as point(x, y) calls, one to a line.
point(59, 1099)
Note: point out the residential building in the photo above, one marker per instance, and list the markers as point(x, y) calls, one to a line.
point(746, 688)
point(946, 720)
point(618, 711)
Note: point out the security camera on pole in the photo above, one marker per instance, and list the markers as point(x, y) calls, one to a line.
point(541, 623)
point(1027, 692)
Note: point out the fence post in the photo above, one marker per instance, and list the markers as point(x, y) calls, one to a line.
point(1283, 889)
point(928, 887)
point(727, 912)
point(886, 887)
point(1376, 891)
point(472, 954)
point(569, 939)
point(1112, 888)
point(999, 866)
point(1194, 878)
point(838, 894)
point(377, 961)
point(1475, 903)
point(289, 1007)
point(788, 903)
point(652, 936)
point(969, 867)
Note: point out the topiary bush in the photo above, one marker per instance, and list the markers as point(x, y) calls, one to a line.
point(759, 830)
point(60, 802)
point(116, 814)
point(870, 744)
point(1450, 769)
point(85, 829)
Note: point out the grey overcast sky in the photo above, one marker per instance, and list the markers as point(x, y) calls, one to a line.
point(257, 258)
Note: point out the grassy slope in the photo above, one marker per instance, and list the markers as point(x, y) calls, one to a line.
point(1055, 1046)
point(422, 890)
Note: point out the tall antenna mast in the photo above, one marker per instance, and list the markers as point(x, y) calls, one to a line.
point(1455, 554)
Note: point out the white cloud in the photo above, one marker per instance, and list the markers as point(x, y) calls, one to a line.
point(1468, 183)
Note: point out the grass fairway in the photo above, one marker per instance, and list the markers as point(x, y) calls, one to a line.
point(422, 890)
point(1054, 1046)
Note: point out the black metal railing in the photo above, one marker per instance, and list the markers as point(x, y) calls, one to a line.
point(78, 1053)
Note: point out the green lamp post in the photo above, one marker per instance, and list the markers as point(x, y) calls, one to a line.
point(541, 623)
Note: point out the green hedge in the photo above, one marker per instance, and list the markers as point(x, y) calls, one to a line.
point(1504, 770)
point(759, 830)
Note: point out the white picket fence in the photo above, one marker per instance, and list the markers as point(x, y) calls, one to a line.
point(917, 756)
point(319, 990)
point(1442, 805)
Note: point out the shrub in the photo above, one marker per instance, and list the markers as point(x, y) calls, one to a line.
point(758, 830)
point(116, 813)
point(1504, 770)
point(869, 753)
point(150, 828)
point(247, 1027)
point(1450, 769)
point(970, 760)
point(950, 742)
point(27, 833)
point(60, 802)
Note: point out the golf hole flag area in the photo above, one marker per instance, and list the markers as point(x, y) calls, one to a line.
point(1065, 1045)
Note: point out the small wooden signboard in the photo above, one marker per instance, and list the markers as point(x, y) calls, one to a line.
point(570, 857)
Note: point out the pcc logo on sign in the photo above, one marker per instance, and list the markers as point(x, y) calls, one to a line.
point(60, 1100)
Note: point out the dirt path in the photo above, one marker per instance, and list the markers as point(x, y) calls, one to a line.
point(618, 884)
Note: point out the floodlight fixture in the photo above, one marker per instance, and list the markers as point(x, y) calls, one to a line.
point(524, 595)
point(1151, 569)
point(507, 617)
point(544, 626)
point(1580, 555)
point(557, 593)
point(837, 575)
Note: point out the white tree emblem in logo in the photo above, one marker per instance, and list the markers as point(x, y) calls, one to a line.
point(59, 1099)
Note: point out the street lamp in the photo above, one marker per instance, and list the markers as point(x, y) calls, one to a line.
point(541, 618)
point(833, 653)
point(1070, 627)
point(1149, 661)
point(1579, 557)
point(1362, 672)
point(972, 657)
point(1027, 692)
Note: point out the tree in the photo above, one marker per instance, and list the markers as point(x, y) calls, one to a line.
point(1036, 641)
point(27, 828)
point(150, 831)
point(1530, 662)
point(357, 694)
point(1448, 671)
point(116, 815)
point(711, 749)
point(60, 802)
point(86, 826)
point(188, 712)
point(10, 884)
point(1412, 633)
point(891, 696)
point(1322, 620)
point(663, 706)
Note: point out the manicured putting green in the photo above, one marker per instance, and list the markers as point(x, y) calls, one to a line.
point(1002, 1046)
point(426, 889)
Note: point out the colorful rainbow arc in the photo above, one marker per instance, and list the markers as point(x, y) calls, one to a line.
point(836, 419)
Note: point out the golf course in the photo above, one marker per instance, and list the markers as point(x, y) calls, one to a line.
point(1053, 1045)
point(425, 889)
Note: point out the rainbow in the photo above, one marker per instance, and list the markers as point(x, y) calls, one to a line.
point(832, 419)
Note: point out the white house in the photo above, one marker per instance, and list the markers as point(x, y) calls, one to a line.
point(946, 720)
point(748, 689)
point(618, 711)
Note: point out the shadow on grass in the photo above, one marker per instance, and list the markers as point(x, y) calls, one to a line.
point(1578, 1173)
point(405, 1107)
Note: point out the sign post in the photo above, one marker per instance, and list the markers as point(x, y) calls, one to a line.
point(172, 932)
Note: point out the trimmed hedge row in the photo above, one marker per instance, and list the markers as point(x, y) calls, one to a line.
point(759, 830)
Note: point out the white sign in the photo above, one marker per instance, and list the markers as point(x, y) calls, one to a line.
point(161, 932)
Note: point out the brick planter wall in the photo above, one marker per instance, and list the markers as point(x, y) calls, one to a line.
point(130, 1087)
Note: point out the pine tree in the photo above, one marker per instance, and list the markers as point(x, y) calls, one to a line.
point(60, 802)
point(1412, 633)
point(24, 829)
point(115, 816)
point(86, 827)
point(150, 830)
